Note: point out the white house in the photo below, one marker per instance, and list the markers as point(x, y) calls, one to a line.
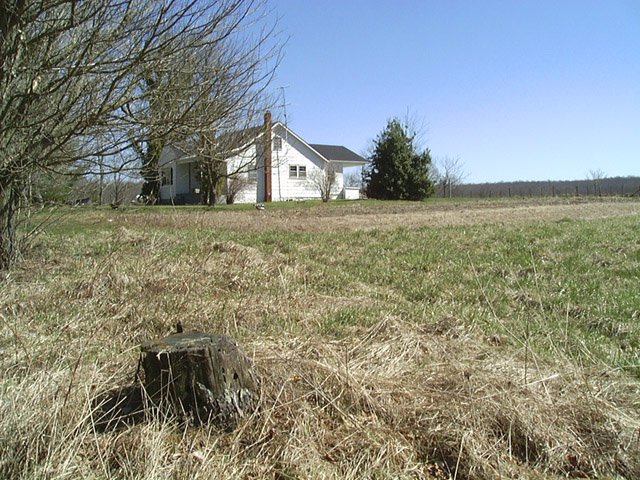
point(275, 167)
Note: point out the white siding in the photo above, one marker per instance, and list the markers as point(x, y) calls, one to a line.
point(243, 164)
point(351, 193)
point(338, 190)
point(168, 160)
point(185, 178)
point(182, 178)
point(293, 153)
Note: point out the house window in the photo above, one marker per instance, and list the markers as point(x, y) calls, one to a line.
point(297, 171)
point(277, 143)
point(166, 176)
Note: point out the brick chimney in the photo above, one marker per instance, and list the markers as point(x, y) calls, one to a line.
point(267, 156)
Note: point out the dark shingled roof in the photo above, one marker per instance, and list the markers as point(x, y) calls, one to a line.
point(337, 152)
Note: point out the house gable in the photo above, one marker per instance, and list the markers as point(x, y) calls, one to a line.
point(293, 166)
point(171, 153)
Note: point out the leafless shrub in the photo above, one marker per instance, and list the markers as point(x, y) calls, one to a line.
point(324, 180)
point(235, 185)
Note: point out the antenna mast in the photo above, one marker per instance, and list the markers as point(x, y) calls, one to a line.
point(284, 105)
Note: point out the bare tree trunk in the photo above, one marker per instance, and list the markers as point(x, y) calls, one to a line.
point(9, 204)
point(149, 170)
point(211, 196)
point(117, 189)
point(101, 185)
point(208, 194)
point(210, 179)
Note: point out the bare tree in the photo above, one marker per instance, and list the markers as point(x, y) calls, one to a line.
point(449, 173)
point(353, 179)
point(227, 155)
point(324, 181)
point(235, 185)
point(76, 83)
point(596, 177)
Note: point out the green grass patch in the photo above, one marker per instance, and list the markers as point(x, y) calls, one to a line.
point(570, 286)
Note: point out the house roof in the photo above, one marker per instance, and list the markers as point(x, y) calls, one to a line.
point(337, 153)
point(240, 139)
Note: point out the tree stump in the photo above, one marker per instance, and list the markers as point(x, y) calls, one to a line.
point(200, 377)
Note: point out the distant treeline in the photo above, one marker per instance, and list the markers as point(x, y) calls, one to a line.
point(599, 187)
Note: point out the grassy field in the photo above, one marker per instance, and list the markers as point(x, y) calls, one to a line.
point(445, 339)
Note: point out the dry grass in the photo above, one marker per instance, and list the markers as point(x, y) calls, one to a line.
point(395, 402)
point(402, 402)
point(362, 216)
point(356, 382)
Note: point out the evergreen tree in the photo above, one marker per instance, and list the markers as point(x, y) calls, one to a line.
point(397, 171)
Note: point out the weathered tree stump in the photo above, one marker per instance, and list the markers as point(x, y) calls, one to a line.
point(201, 377)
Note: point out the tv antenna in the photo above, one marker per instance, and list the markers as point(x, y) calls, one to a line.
point(284, 104)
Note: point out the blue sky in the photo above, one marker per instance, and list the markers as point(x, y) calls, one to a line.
point(518, 90)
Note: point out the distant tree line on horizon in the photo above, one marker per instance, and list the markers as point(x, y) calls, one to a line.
point(606, 186)
point(58, 189)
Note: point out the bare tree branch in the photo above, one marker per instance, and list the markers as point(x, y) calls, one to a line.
point(98, 81)
point(596, 177)
point(449, 172)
